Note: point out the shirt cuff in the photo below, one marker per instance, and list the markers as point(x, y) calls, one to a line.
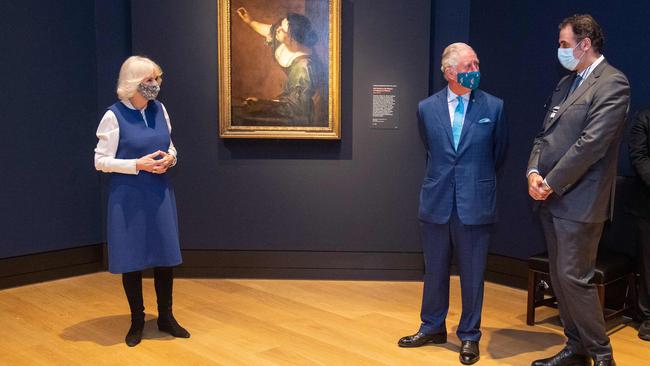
point(124, 166)
point(531, 172)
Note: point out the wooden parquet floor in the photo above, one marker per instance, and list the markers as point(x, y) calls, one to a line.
point(83, 320)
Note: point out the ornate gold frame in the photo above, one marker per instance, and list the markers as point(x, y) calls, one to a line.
point(227, 130)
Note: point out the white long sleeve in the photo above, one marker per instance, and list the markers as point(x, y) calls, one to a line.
point(108, 134)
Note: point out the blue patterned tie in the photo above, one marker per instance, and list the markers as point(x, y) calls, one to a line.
point(457, 124)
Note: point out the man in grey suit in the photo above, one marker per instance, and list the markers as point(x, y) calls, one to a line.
point(572, 173)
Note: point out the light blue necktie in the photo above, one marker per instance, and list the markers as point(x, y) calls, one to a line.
point(457, 124)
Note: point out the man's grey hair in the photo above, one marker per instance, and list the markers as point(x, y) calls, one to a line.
point(450, 55)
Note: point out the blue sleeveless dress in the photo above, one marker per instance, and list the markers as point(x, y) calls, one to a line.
point(142, 222)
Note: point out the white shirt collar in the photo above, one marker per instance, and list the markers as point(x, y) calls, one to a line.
point(451, 96)
point(128, 104)
point(584, 74)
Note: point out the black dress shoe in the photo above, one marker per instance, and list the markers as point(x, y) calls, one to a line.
point(605, 363)
point(419, 339)
point(469, 353)
point(644, 330)
point(565, 357)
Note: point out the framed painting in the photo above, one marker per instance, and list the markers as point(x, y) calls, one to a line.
point(279, 69)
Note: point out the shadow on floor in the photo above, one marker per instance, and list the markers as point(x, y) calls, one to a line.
point(520, 341)
point(543, 319)
point(501, 344)
point(110, 330)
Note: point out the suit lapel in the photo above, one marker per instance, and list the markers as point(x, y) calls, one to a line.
point(443, 106)
point(586, 85)
point(558, 97)
point(473, 111)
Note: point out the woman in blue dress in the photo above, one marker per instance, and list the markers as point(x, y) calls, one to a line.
point(142, 227)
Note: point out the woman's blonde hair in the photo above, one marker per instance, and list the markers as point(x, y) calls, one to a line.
point(133, 71)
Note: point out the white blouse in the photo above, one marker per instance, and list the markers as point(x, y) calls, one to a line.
point(108, 134)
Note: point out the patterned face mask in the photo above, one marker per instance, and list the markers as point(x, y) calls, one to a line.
point(149, 91)
point(470, 80)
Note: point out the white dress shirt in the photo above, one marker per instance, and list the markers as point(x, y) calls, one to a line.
point(108, 134)
point(584, 74)
point(452, 103)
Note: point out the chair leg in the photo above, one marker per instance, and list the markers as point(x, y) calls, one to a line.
point(532, 287)
point(632, 299)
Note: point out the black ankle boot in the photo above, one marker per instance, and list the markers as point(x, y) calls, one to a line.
point(134, 336)
point(132, 282)
point(163, 282)
point(168, 324)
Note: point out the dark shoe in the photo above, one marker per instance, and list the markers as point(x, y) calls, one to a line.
point(420, 339)
point(167, 324)
point(565, 357)
point(644, 330)
point(134, 336)
point(605, 363)
point(469, 353)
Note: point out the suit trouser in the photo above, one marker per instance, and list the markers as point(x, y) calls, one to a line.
point(642, 228)
point(572, 249)
point(470, 243)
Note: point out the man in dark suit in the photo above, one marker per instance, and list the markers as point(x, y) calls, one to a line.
point(640, 208)
point(465, 135)
point(572, 171)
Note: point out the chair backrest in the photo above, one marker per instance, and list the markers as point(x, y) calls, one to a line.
point(618, 235)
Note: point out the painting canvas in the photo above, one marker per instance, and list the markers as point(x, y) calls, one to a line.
point(279, 68)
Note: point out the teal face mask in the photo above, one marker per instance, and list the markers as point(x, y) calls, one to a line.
point(470, 80)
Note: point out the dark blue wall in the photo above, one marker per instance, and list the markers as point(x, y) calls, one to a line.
point(359, 194)
point(517, 44)
point(50, 192)
point(113, 46)
point(450, 23)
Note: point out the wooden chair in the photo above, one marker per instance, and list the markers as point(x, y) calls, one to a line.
point(611, 268)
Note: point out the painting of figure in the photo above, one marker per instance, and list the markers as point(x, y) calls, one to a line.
point(279, 65)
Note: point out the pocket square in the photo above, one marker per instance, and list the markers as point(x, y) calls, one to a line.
point(484, 120)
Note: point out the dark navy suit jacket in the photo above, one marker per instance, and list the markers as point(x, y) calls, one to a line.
point(466, 176)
